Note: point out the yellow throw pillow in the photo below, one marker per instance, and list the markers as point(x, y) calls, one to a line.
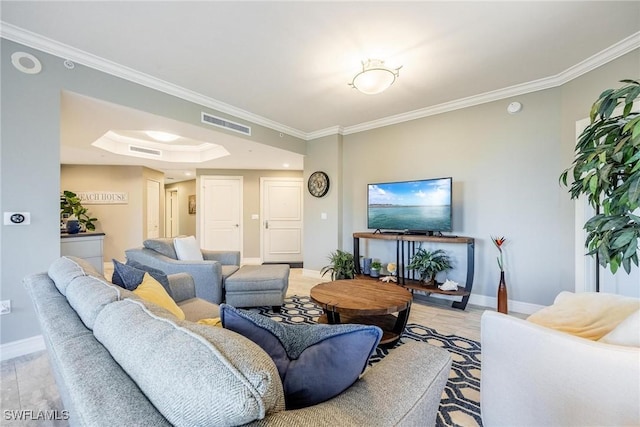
point(151, 290)
point(587, 314)
point(211, 322)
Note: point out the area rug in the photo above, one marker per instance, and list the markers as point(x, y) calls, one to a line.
point(460, 404)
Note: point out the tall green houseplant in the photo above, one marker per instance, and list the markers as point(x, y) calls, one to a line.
point(606, 170)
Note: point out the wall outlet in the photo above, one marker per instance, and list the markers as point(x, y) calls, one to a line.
point(5, 306)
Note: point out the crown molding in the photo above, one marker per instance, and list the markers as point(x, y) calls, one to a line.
point(36, 41)
point(607, 55)
point(333, 130)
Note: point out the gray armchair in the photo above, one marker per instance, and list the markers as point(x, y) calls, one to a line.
point(208, 275)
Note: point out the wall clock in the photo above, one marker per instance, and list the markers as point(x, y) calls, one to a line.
point(318, 184)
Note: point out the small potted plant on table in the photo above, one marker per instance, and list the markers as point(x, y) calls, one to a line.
point(429, 263)
point(376, 266)
point(342, 266)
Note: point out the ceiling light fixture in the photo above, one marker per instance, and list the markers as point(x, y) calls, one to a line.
point(161, 136)
point(375, 77)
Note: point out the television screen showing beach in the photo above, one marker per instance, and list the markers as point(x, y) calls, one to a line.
point(411, 205)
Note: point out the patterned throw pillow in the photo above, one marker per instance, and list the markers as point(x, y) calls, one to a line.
point(315, 362)
point(126, 276)
point(159, 275)
point(130, 275)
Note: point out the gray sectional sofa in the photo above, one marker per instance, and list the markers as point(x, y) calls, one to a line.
point(121, 361)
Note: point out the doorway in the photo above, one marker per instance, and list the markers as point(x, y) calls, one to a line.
point(219, 207)
point(281, 213)
point(153, 209)
point(172, 219)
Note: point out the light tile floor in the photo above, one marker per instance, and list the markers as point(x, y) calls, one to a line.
point(27, 382)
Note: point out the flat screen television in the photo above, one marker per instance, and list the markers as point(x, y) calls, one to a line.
point(421, 207)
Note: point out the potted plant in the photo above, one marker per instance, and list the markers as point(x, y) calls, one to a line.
point(375, 268)
point(71, 207)
point(429, 263)
point(606, 170)
point(342, 266)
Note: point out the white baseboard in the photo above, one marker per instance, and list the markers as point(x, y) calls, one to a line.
point(21, 347)
point(515, 306)
point(251, 261)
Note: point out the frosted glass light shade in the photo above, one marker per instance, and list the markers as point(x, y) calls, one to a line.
point(374, 77)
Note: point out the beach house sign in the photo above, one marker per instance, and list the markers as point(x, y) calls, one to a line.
point(103, 197)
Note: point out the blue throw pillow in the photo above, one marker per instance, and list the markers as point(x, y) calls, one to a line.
point(126, 276)
point(159, 275)
point(315, 362)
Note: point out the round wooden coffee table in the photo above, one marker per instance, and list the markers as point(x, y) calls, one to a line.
point(365, 301)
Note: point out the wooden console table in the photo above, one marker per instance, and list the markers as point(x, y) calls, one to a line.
point(406, 248)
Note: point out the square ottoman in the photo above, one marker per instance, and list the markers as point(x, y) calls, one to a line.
point(257, 286)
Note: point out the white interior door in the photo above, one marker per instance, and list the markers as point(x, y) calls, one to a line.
point(153, 209)
point(172, 212)
point(220, 211)
point(281, 206)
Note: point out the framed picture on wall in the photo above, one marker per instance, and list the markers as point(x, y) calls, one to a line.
point(192, 204)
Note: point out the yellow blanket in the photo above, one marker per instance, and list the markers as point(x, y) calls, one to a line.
point(589, 315)
point(215, 321)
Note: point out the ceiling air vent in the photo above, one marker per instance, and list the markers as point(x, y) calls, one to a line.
point(143, 150)
point(226, 124)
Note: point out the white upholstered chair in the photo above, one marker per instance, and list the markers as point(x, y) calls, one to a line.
point(534, 375)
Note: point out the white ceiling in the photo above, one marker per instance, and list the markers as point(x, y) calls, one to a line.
point(288, 63)
point(84, 120)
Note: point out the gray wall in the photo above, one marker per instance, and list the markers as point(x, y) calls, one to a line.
point(323, 236)
point(30, 162)
point(505, 182)
point(505, 170)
